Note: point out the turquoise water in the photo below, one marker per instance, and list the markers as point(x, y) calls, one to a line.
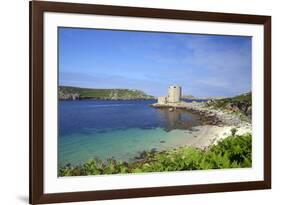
point(118, 129)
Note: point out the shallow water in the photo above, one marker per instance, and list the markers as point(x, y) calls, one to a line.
point(119, 129)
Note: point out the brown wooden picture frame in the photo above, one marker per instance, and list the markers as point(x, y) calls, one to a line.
point(37, 8)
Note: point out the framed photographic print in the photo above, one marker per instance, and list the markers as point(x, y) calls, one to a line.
point(138, 102)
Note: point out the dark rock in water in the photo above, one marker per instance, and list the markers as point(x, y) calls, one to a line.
point(145, 154)
point(192, 129)
point(153, 150)
point(162, 141)
point(126, 163)
point(142, 155)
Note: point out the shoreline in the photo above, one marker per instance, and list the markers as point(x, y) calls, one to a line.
point(217, 123)
point(209, 115)
point(200, 137)
point(182, 158)
point(207, 135)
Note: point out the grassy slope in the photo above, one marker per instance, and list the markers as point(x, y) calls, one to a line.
point(232, 152)
point(104, 93)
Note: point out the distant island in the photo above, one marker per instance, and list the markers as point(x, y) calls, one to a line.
point(77, 93)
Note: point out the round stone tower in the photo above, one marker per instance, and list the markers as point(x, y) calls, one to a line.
point(174, 94)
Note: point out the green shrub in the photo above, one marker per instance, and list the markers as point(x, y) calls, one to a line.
point(233, 131)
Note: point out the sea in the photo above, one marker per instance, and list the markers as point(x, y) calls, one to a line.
point(121, 130)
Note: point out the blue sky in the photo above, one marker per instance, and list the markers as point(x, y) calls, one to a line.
point(204, 65)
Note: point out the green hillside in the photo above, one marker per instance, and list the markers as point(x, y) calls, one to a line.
point(67, 93)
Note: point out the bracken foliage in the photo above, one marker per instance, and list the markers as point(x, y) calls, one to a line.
point(232, 152)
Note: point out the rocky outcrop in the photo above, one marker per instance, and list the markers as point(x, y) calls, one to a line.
point(68, 96)
point(235, 111)
point(239, 104)
point(214, 116)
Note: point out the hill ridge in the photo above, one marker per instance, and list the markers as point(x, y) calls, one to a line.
point(78, 93)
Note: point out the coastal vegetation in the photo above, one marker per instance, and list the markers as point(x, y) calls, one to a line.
point(238, 104)
point(76, 93)
point(235, 151)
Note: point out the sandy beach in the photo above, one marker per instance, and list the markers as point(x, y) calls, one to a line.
point(206, 135)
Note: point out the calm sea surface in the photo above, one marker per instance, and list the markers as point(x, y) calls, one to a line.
point(119, 129)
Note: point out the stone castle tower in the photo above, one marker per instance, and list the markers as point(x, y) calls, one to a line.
point(174, 94)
